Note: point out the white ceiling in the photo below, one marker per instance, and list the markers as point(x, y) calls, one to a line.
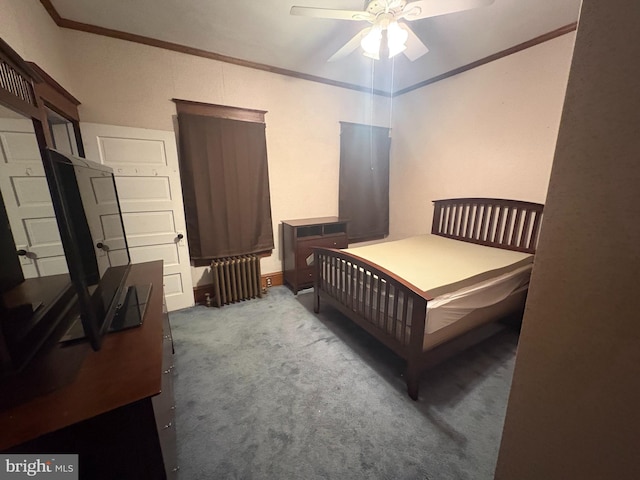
point(263, 32)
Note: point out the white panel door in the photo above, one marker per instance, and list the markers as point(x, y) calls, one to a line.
point(28, 201)
point(101, 209)
point(145, 163)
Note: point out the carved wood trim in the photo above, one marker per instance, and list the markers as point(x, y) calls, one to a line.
point(27, 89)
point(55, 94)
point(55, 97)
point(16, 83)
point(219, 111)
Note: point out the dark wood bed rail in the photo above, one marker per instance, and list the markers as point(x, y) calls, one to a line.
point(507, 224)
point(383, 303)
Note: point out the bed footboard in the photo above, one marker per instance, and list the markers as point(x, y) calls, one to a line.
point(387, 307)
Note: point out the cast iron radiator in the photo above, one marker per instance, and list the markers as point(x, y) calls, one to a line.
point(235, 279)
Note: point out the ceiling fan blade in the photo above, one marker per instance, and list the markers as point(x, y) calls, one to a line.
point(433, 8)
point(415, 48)
point(350, 46)
point(335, 14)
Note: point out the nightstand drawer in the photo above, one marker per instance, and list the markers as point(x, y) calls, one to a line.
point(305, 276)
point(304, 249)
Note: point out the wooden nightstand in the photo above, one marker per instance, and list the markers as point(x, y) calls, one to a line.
point(298, 239)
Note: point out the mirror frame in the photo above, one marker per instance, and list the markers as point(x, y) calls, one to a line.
point(53, 96)
point(28, 90)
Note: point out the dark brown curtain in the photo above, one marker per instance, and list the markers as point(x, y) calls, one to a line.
point(364, 180)
point(225, 184)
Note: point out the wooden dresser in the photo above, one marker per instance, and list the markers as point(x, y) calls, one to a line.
point(299, 237)
point(116, 409)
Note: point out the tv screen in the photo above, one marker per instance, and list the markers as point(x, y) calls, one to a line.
point(91, 227)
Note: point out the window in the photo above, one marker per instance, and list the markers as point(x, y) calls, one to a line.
point(225, 180)
point(364, 180)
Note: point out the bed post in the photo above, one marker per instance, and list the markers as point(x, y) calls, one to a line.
point(416, 342)
point(413, 379)
point(316, 281)
point(437, 213)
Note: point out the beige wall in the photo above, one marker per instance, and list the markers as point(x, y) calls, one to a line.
point(489, 132)
point(29, 30)
point(128, 84)
point(573, 407)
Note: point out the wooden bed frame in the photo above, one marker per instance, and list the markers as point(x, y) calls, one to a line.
point(354, 285)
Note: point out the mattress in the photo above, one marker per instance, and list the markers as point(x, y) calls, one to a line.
point(438, 265)
point(460, 277)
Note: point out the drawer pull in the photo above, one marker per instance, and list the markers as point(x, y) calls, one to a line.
point(168, 370)
point(168, 425)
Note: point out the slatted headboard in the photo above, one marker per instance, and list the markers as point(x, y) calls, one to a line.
point(507, 224)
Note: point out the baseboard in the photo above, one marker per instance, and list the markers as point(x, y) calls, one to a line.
point(277, 278)
point(200, 292)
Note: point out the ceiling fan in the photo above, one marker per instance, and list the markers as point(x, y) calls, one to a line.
point(383, 15)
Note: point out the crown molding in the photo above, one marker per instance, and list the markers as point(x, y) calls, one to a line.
point(107, 32)
point(491, 58)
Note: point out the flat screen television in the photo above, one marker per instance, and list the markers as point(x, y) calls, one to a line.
point(89, 217)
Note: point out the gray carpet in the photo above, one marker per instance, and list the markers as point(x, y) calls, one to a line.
point(266, 389)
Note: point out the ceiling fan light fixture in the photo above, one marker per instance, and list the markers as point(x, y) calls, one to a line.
point(370, 43)
point(384, 15)
point(396, 39)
